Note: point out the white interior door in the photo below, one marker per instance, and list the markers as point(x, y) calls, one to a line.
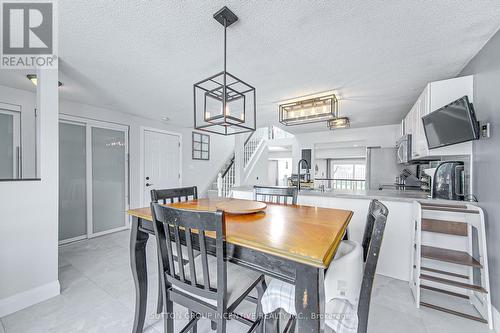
point(10, 144)
point(161, 162)
point(272, 173)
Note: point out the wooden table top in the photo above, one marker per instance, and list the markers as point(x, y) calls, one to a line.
point(309, 235)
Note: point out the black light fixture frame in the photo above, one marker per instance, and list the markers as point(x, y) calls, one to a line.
point(333, 126)
point(288, 107)
point(224, 88)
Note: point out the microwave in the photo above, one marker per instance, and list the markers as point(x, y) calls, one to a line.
point(403, 149)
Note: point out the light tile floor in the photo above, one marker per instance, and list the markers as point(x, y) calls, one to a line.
point(97, 295)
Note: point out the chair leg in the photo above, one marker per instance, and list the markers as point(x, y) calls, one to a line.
point(271, 323)
point(195, 327)
point(221, 325)
point(290, 326)
point(168, 316)
point(159, 305)
point(261, 288)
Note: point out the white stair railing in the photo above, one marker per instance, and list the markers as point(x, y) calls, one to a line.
point(253, 143)
point(225, 182)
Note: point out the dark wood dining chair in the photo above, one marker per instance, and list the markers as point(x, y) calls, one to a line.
point(275, 194)
point(208, 285)
point(372, 240)
point(170, 195)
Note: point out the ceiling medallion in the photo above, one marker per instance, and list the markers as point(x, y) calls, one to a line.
point(224, 104)
point(308, 111)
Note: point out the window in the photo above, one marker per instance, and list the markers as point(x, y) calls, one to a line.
point(201, 146)
point(348, 174)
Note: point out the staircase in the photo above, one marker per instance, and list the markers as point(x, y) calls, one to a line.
point(450, 262)
point(225, 180)
point(227, 174)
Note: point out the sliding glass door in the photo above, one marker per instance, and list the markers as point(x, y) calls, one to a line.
point(72, 181)
point(93, 178)
point(108, 179)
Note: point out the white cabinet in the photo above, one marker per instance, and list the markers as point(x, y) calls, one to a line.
point(435, 95)
point(422, 108)
point(413, 125)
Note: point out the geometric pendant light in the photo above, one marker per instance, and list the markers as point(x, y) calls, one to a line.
point(224, 104)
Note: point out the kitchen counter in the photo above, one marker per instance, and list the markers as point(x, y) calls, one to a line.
point(385, 194)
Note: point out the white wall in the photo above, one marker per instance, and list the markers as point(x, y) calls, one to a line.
point(258, 173)
point(485, 67)
point(29, 222)
point(279, 154)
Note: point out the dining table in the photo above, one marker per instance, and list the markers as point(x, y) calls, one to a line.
point(293, 243)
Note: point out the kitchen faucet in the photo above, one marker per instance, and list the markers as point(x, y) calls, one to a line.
point(298, 171)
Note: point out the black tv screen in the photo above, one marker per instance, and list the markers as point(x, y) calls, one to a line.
point(451, 124)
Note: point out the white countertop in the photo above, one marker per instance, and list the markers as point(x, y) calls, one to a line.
point(385, 194)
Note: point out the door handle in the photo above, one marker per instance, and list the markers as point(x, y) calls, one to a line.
point(148, 184)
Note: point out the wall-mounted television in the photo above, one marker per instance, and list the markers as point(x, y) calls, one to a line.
point(453, 123)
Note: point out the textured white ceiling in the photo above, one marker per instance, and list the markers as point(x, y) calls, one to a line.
point(142, 57)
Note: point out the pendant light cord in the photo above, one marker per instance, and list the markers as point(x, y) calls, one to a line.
point(224, 77)
point(225, 44)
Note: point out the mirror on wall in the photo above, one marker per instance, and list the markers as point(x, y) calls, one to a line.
point(18, 148)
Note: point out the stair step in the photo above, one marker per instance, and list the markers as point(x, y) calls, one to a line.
point(433, 270)
point(453, 312)
point(453, 283)
point(447, 292)
point(451, 256)
point(445, 227)
point(449, 209)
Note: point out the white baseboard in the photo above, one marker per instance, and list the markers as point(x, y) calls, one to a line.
point(27, 298)
point(496, 319)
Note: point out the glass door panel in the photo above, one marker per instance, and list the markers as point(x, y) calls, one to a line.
point(109, 186)
point(72, 182)
point(6, 146)
point(10, 144)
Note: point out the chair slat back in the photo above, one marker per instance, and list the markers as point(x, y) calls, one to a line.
point(372, 241)
point(375, 210)
point(175, 226)
point(171, 195)
point(274, 194)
